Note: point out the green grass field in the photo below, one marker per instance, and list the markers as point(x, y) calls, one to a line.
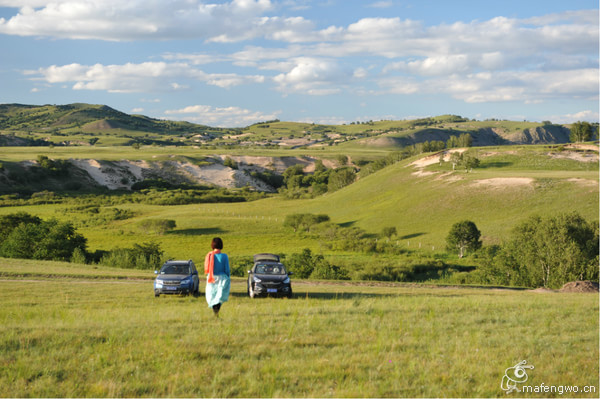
point(422, 203)
point(90, 335)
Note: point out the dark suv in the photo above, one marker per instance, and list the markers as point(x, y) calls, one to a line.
point(177, 277)
point(269, 277)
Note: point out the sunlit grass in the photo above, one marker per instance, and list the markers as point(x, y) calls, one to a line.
point(79, 338)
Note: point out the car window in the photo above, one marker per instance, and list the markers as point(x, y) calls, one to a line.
point(175, 269)
point(270, 269)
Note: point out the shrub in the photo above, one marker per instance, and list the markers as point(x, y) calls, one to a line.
point(546, 252)
point(156, 226)
point(147, 256)
point(304, 221)
point(462, 236)
point(389, 232)
point(33, 238)
point(78, 256)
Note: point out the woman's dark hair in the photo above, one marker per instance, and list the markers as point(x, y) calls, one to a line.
point(216, 243)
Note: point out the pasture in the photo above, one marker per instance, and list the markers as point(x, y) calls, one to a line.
point(70, 330)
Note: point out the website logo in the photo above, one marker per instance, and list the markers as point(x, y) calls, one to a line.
point(515, 375)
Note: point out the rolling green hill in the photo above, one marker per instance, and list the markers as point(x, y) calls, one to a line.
point(85, 124)
point(422, 202)
point(418, 196)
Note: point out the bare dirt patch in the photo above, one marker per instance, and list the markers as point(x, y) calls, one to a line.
point(504, 182)
point(590, 147)
point(543, 290)
point(575, 156)
point(584, 182)
point(435, 158)
point(580, 286)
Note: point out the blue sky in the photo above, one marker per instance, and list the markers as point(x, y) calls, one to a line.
point(234, 63)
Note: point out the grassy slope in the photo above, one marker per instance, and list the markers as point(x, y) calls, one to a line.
point(81, 123)
point(79, 338)
point(422, 208)
point(428, 205)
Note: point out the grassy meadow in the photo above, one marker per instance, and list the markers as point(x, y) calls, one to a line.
point(511, 184)
point(90, 335)
point(72, 330)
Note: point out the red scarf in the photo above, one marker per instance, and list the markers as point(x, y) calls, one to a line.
point(209, 265)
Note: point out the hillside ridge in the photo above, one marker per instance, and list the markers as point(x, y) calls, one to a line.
point(87, 124)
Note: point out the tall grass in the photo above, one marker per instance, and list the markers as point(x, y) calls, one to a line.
point(114, 339)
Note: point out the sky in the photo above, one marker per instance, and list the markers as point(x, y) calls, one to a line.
point(234, 63)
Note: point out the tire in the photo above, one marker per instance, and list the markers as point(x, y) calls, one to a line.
point(251, 291)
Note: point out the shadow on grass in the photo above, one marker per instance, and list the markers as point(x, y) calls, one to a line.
point(347, 224)
point(499, 164)
point(406, 237)
point(198, 232)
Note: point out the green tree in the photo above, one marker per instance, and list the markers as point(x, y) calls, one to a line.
point(456, 159)
point(389, 232)
point(340, 178)
point(462, 236)
point(292, 176)
point(294, 221)
point(9, 222)
point(48, 240)
point(230, 163)
point(465, 140)
point(470, 162)
point(157, 226)
point(342, 159)
point(302, 264)
point(581, 131)
point(304, 220)
point(552, 251)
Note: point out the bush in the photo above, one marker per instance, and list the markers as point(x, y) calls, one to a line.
point(78, 256)
point(462, 236)
point(546, 252)
point(309, 265)
point(304, 221)
point(239, 265)
point(28, 237)
point(156, 226)
point(146, 256)
point(230, 163)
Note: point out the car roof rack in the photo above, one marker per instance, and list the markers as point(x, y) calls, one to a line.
point(265, 257)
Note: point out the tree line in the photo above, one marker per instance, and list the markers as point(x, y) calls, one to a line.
point(28, 237)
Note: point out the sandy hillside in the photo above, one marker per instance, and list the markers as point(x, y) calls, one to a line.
point(123, 174)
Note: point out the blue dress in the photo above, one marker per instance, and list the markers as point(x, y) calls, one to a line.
point(218, 292)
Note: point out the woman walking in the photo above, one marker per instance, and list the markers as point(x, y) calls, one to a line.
point(216, 266)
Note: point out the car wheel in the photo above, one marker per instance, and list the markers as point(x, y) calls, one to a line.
point(290, 294)
point(250, 291)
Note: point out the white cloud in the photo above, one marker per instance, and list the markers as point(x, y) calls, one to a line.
point(137, 19)
point(143, 77)
point(221, 117)
point(587, 115)
point(137, 110)
point(312, 76)
point(501, 59)
point(502, 86)
point(360, 73)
